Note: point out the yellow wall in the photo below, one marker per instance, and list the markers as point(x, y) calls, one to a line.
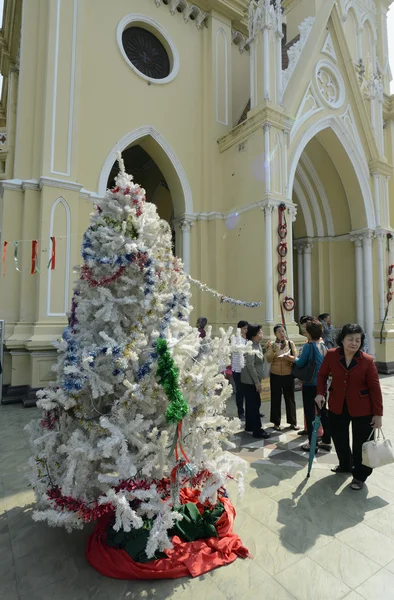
point(78, 98)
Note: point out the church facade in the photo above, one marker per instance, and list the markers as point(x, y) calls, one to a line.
point(263, 131)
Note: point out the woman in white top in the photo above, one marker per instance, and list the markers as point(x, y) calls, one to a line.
point(237, 364)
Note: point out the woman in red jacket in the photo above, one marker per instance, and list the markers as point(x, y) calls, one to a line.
point(355, 396)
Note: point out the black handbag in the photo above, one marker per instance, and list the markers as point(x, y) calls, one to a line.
point(306, 373)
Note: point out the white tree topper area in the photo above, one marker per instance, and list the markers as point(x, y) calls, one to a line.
point(104, 443)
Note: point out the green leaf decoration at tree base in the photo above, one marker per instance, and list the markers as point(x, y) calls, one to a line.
point(193, 526)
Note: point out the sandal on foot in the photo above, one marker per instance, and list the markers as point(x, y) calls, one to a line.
point(307, 447)
point(339, 469)
point(295, 427)
point(324, 446)
point(277, 428)
point(357, 485)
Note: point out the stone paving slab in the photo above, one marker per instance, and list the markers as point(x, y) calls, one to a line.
point(310, 539)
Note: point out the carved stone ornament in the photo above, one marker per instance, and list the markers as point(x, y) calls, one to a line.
point(295, 50)
point(190, 11)
point(264, 15)
point(371, 82)
point(328, 86)
point(238, 39)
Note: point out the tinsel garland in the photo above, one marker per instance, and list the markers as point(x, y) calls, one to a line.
point(167, 374)
point(93, 511)
point(222, 297)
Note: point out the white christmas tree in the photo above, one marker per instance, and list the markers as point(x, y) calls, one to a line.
point(137, 408)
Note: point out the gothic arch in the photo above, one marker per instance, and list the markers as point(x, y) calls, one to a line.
point(360, 173)
point(164, 156)
point(61, 313)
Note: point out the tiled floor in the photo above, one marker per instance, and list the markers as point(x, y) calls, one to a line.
point(310, 539)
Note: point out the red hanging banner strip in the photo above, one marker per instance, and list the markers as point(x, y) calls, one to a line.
point(5, 244)
point(34, 257)
point(52, 260)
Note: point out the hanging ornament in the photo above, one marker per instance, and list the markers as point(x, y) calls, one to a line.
point(282, 231)
point(282, 249)
point(52, 260)
point(281, 286)
point(5, 244)
point(34, 257)
point(289, 303)
point(16, 250)
point(282, 267)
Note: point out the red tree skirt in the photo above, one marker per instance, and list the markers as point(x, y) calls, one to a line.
point(186, 558)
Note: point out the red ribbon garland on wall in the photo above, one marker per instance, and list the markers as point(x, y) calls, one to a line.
point(389, 295)
point(34, 257)
point(5, 244)
point(288, 303)
point(52, 260)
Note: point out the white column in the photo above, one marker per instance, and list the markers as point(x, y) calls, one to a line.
point(267, 157)
point(381, 274)
point(376, 187)
point(269, 278)
point(358, 250)
point(368, 290)
point(285, 162)
point(308, 277)
point(292, 210)
point(278, 42)
point(267, 55)
point(300, 278)
point(386, 201)
point(186, 228)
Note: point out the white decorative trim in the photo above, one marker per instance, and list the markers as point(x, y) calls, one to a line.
point(67, 269)
point(12, 184)
point(343, 237)
point(317, 106)
point(137, 134)
point(294, 52)
point(60, 184)
point(31, 184)
point(72, 90)
point(337, 83)
point(311, 171)
point(218, 32)
point(310, 230)
point(328, 48)
point(174, 54)
point(355, 155)
point(348, 120)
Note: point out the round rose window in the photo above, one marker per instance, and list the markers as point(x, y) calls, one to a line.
point(146, 52)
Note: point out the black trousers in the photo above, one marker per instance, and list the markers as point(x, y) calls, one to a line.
point(361, 430)
point(252, 408)
point(239, 393)
point(309, 393)
point(282, 384)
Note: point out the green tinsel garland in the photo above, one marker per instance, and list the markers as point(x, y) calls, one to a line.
point(168, 378)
